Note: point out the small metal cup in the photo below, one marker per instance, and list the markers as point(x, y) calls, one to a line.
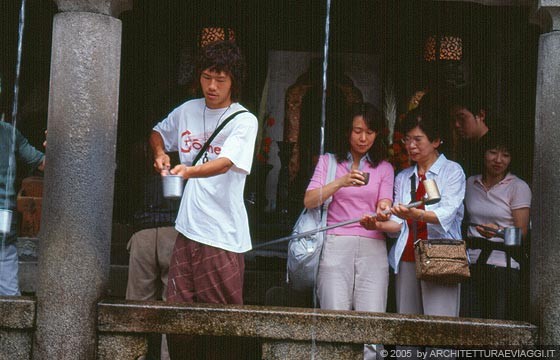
point(512, 236)
point(172, 186)
point(366, 177)
point(5, 221)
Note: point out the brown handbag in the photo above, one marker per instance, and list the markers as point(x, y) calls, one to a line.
point(441, 260)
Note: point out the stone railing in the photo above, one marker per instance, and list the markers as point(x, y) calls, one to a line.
point(292, 333)
point(284, 333)
point(17, 323)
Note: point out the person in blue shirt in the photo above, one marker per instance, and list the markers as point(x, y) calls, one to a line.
point(13, 145)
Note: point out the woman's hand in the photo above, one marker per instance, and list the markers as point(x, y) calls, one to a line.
point(369, 222)
point(406, 213)
point(353, 178)
point(383, 210)
point(485, 232)
point(401, 211)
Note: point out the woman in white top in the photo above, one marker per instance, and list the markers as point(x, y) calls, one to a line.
point(438, 221)
point(496, 199)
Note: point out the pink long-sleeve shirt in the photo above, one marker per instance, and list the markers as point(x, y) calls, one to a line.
point(355, 201)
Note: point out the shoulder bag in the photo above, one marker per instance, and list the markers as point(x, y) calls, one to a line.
point(304, 253)
point(443, 261)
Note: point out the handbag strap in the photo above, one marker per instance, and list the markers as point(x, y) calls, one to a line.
point(412, 199)
point(331, 172)
point(214, 134)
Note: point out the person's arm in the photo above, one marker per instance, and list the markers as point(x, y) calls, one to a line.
point(316, 197)
point(211, 168)
point(28, 153)
point(41, 166)
point(161, 159)
point(521, 219)
point(373, 223)
point(415, 214)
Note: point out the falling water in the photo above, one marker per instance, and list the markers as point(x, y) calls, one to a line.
point(325, 65)
point(322, 136)
point(11, 161)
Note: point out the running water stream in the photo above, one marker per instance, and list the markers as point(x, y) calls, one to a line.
point(11, 157)
point(322, 139)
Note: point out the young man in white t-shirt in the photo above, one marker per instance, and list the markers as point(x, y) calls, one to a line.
point(207, 263)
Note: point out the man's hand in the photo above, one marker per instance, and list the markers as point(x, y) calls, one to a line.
point(180, 170)
point(162, 162)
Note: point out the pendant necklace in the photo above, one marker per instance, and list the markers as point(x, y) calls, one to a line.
point(205, 157)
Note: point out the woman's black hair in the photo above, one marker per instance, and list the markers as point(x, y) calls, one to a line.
point(374, 121)
point(426, 120)
point(499, 138)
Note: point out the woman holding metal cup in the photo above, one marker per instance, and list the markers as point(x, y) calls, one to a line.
point(353, 271)
point(497, 204)
point(429, 220)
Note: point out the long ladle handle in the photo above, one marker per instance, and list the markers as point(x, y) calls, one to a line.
point(306, 233)
point(325, 228)
point(411, 205)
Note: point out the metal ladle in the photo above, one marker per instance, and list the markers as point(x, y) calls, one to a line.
point(432, 197)
point(511, 235)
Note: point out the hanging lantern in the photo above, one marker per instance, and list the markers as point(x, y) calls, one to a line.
point(443, 47)
point(210, 34)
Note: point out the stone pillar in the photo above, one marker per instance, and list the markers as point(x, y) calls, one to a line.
point(74, 248)
point(545, 234)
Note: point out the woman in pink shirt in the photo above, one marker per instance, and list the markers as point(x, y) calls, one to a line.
point(353, 270)
point(496, 199)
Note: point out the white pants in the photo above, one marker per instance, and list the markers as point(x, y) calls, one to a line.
point(354, 275)
point(424, 297)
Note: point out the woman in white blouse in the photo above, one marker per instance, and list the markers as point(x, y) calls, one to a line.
point(438, 221)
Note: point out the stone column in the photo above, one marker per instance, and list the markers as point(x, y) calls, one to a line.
point(74, 249)
point(545, 234)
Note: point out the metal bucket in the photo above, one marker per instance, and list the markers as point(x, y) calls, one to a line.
point(172, 186)
point(5, 221)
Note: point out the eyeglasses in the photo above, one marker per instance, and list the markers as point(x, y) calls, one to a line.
point(407, 140)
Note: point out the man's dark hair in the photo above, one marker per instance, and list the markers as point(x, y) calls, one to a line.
point(227, 57)
point(471, 98)
point(376, 122)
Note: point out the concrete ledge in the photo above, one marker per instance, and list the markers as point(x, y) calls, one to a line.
point(17, 323)
point(118, 347)
point(276, 350)
point(17, 312)
point(298, 324)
